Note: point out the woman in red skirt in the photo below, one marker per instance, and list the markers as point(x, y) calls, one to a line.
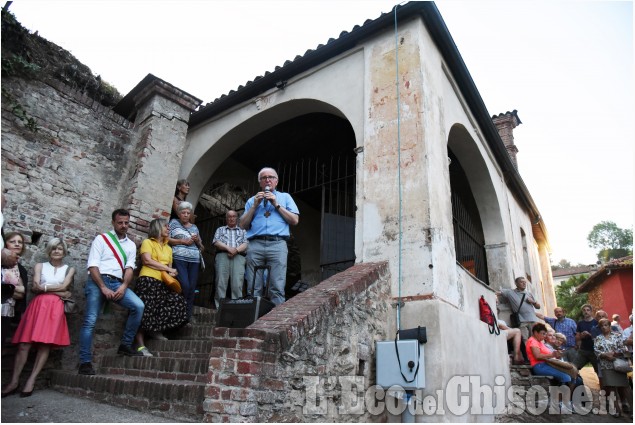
point(43, 323)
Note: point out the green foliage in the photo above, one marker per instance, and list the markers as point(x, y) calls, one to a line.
point(570, 300)
point(610, 240)
point(29, 122)
point(18, 66)
point(19, 111)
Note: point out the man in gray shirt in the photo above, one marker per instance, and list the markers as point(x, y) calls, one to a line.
point(526, 312)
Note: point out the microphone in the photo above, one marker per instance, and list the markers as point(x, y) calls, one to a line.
point(267, 190)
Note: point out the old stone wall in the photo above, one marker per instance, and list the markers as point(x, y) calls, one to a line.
point(63, 179)
point(295, 364)
point(75, 162)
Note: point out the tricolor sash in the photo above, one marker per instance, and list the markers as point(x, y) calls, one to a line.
point(120, 255)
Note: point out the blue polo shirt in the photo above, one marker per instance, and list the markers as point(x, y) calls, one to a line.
point(268, 221)
point(566, 326)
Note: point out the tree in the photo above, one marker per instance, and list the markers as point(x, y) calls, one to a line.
point(570, 300)
point(610, 240)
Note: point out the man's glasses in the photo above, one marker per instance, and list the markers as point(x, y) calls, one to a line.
point(263, 178)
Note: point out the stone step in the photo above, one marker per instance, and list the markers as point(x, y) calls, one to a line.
point(181, 400)
point(179, 369)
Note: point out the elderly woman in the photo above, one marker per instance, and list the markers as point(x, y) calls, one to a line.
point(164, 308)
point(43, 322)
point(609, 346)
point(187, 251)
point(15, 278)
point(180, 194)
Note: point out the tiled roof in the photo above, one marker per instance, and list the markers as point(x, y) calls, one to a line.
point(574, 270)
point(441, 36)
point(606, 269)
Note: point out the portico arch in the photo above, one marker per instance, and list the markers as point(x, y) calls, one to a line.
point(482, 189)
point(311, 144)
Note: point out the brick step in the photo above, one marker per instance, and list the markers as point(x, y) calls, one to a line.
point(174, 399)
point(190, 346)
point(192, 369)
point(197, 331)
point(204, 315)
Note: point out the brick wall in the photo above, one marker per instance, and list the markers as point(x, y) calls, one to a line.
point(262, 373)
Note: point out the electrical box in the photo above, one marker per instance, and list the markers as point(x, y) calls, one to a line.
point(401, 364)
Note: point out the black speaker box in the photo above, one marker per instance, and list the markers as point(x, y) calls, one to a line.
point(242, 312)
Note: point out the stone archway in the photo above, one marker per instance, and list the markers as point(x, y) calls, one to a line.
point(315, 159)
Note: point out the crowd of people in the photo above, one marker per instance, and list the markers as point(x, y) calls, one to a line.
point(560, 346)
point(172, 250)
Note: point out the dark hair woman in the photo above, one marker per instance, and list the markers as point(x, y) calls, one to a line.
point(15, 278)
point(609, 346)
point(180, 195)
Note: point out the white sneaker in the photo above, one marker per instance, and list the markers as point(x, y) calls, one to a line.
point(143, 350)
point(158, 336)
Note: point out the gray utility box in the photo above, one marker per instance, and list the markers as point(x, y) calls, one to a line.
point(408, 353)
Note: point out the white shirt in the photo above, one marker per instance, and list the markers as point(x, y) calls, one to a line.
point(102, 257)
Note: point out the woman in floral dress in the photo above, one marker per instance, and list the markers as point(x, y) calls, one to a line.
point(164, 309)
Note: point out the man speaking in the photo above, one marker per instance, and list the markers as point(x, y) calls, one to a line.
point(266, 219)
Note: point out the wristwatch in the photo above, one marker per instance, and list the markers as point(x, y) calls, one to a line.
point(278, 207)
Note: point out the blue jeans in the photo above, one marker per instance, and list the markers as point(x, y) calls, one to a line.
point(544, 369)
point(187, 276)
point(94, 303)
point(267, 253)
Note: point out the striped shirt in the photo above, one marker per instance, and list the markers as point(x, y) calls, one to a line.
point(232, 237)
point(182, 252)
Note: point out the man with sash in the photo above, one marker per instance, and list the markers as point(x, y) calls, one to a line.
point(111, 262)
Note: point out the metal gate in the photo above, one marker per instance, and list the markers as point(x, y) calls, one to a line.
point(328, 185)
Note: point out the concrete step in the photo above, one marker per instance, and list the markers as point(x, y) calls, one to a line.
point(179, 369)
point(181, 400)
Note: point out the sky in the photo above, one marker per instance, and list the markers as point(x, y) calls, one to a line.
point(565, 66)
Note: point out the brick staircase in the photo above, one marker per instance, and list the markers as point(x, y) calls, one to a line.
point(170, 384)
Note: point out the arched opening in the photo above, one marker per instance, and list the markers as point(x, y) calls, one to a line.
point(479, 236)
point(469, 241)
point(314, 156)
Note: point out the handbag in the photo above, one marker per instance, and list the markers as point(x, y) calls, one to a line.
point(487, 316)
point(622, 365)
point(565, 367)
point(201, 262)
point(70, 306)
point(171, 282)
point(514, 318)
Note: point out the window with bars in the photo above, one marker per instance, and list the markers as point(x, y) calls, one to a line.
point(469, 241)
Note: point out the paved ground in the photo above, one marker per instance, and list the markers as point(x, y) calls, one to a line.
point(52, 406)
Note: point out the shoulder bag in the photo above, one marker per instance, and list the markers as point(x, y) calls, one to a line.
point(563, 366)
point(170, 281)
point(514, 318)
point(622, 365)
point(70, 306)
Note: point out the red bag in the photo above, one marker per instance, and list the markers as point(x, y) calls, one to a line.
point(487, 316)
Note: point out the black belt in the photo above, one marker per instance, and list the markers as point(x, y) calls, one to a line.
point(244, 254)
point(113, 277)
point(269, 238)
